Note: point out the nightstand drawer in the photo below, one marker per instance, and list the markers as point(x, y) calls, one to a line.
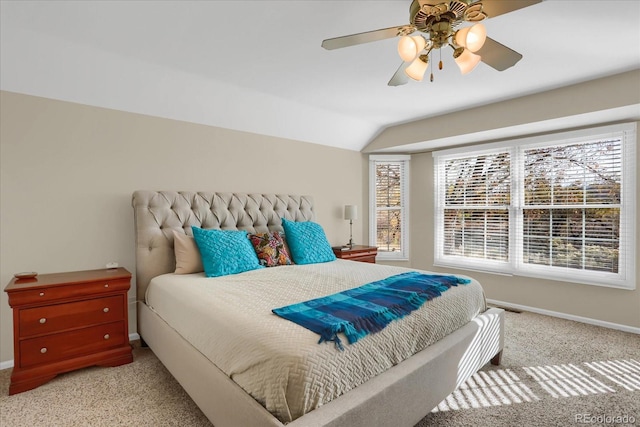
point(368, 258)
point(53, 293)
point(361, 254)
point(73, 315)
point(66, 345)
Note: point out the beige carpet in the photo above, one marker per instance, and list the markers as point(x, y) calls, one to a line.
point(554, 373)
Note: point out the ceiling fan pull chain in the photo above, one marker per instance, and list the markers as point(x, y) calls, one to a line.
point(440, 63)
point(431, 77)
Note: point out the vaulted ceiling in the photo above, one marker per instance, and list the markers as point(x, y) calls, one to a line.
point(258, 66)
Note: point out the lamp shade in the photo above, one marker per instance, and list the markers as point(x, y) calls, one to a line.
point(472, 38)
point(417, 69)
point(350, 212)
point(467, 61)
point(409, 47)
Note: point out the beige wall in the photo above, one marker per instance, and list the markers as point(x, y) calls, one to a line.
point(68, 171)
point(620, 91)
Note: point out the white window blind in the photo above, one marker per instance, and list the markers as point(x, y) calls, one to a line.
point(476, 207)
point(389, 200)
point(571, 211)
point(558, 207)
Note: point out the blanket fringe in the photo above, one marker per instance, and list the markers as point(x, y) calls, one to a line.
point(377, 321)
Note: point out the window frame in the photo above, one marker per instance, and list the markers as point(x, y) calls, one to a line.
point(624, 278)
point(403, 160)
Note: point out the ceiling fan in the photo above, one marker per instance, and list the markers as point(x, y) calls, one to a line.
point(440, 25)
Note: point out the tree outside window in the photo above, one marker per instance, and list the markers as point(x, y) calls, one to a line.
point(389, 206)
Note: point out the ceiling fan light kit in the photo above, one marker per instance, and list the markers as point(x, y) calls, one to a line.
point(464, 42)
point(439, 25)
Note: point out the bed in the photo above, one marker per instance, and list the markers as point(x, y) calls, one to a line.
point(273, 372)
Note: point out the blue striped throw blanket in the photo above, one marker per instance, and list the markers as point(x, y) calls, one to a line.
point(369, 308)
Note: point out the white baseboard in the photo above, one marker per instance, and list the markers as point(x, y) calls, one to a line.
point(596, 322)
point(9, 363)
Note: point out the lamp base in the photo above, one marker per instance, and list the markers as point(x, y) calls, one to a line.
point(350, 244)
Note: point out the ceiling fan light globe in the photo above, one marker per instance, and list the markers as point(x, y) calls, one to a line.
point(409, 47)
point(461, 36)
point(472, 38)
point(467, 61)
point(417, 69)
point(476, 37)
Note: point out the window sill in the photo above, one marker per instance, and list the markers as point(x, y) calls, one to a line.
point(574, 279)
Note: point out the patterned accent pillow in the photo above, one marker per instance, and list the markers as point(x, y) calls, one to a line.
point(270, 249)
point(307, 241)
point(225, 251)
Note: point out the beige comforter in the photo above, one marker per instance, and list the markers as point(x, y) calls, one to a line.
point(281, 364)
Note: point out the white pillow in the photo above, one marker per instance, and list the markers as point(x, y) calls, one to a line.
point(188, 259)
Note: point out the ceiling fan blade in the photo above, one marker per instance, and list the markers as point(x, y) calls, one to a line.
point(498, 7)
point(400, 77)
point(369, 36)
point(498, 55)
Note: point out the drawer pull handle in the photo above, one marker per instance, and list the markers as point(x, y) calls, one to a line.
point(43, 320)
point(106, 337)
point(41, 294)
point(106, 309)
point(106, 285)
point(43, 350)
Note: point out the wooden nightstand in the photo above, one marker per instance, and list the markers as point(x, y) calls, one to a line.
point(67, 321)
point(357, 253)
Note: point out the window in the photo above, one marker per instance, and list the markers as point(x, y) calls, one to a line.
point(388, 218)
point(558, 207)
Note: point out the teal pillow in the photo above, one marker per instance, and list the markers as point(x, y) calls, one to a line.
point(225, 252)
point(307, 242)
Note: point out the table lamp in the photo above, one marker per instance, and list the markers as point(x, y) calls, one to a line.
point(350, 213)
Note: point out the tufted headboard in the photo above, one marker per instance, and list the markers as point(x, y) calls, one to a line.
point(157, 213)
